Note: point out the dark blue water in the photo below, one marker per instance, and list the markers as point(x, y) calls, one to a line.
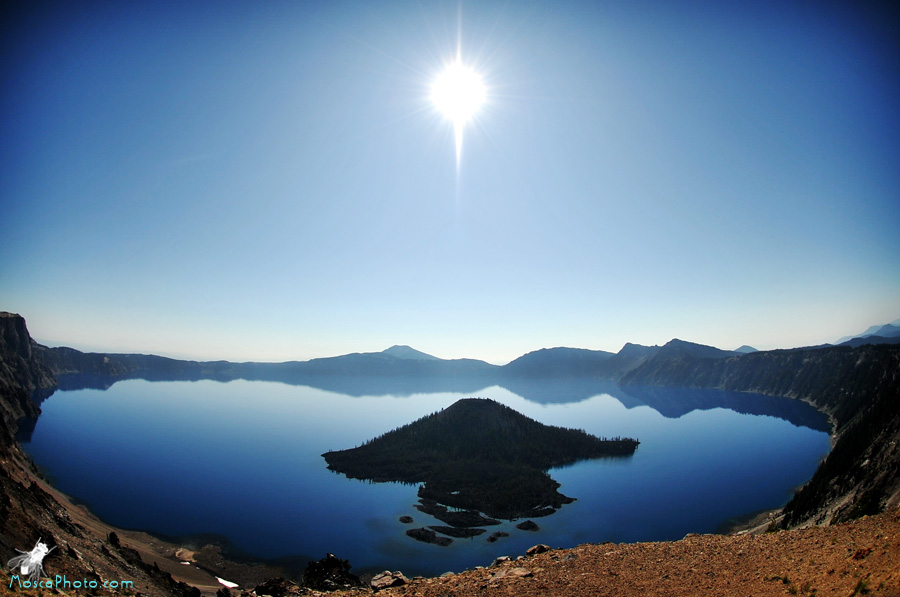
point(243, 460)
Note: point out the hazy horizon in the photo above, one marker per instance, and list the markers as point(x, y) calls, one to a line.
point(272, 181)
point(176, 355)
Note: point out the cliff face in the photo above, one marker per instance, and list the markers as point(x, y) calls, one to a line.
point(30, 510)
point(859, 388)
point(21, 375)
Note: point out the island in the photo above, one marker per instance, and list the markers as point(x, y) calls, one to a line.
point(477, 461)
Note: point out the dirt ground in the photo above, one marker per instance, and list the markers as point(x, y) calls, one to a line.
point(858, 558)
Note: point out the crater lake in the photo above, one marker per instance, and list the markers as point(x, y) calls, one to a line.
point(240, 462)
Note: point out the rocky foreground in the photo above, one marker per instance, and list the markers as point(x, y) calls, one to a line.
point(862, 557)
point(855, 558)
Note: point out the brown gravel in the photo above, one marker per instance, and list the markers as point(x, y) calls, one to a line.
point(857, 558)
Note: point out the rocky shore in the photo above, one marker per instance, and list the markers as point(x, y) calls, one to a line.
point(854, 558)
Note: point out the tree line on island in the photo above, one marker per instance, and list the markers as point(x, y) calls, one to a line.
point(478, 455)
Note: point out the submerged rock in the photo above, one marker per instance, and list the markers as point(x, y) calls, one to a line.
point(528, 525)
point(464, 533)
point(428, 536)
point(463, 519)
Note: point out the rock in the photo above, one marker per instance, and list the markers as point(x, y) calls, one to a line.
point(329, 574)
point(428, 536)
point(22, 374)
point(499, 561)
point(528, 525)
point(513, 573)
point(458, 533)
point(536, 549)
point(388, 579)
point(278, 587)
point(406, 519)
point(494, 536)
point(459, 519)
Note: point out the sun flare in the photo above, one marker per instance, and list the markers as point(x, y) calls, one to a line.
point(458, 93)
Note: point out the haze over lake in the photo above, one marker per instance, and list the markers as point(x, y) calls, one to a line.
point(242, 460)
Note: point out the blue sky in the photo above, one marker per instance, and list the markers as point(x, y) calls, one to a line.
point(270, 181)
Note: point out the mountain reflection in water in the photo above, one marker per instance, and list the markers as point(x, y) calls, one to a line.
point(243, 459)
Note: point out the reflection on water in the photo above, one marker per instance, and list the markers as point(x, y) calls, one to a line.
point(243, 460)
point(677, 402)
point(477, 461)
point(669, 402)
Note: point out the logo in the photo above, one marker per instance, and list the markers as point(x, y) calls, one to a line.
point(30, 563)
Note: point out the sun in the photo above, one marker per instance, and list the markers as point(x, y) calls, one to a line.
point(458, 93)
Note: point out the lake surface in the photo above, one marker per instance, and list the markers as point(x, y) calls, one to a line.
point(242, 460)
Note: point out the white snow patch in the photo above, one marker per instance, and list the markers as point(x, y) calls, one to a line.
point(230, 585)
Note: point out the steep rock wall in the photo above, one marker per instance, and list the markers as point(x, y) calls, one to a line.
point(30, 510)
point(859, 388)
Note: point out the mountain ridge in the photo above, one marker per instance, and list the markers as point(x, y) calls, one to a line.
point(848, 383)
point(883, 330)
point(856, 386)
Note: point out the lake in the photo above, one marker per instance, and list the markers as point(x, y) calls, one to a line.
point(242, 461)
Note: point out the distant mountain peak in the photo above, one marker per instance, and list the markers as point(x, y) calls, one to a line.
point(402, 351)
point(702, 351)
point(745, 349)
point(886, 330)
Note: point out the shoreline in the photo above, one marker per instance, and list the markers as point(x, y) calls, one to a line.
point(206, 564)
point(202, 571)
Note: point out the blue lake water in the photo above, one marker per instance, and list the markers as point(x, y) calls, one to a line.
point(242, 460)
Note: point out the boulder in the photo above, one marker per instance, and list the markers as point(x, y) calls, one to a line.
point(513, 573)
point(388, 579)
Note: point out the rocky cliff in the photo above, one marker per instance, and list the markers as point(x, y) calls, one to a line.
point(31, 510)
point(21, 375)
point(859, 388)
